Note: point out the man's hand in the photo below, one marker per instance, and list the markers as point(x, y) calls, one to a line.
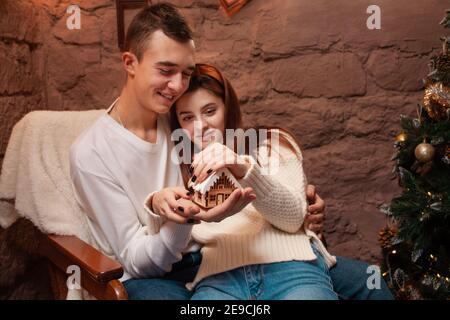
point(315, 217)
point(237, 201)
point(175, 205)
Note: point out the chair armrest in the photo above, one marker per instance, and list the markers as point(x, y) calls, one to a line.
point(63, 251)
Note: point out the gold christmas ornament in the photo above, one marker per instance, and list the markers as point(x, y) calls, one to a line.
point(424, 152)
point(436, 101)
point(401, 137)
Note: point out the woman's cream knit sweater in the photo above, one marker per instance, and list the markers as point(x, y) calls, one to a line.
point(268, 230)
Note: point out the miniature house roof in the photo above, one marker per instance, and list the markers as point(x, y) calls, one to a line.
point(209, 182)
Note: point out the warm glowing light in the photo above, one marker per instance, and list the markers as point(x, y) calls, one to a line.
point(394, 251)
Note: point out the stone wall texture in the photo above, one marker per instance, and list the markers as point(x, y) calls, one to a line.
point(311, 66)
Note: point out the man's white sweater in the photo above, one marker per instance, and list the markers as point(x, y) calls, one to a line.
point(113, 171)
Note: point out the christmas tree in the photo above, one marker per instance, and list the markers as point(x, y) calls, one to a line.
point(416, 240)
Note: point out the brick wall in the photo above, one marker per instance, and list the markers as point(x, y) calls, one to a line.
point(310, 66)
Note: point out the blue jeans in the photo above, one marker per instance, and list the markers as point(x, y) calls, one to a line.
point(349, 279)
point(171, 287)
point(290, 280)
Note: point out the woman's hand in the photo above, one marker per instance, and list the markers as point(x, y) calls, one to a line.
point(217, 156)
point(174, 204)
point(237, 201)
point(315, 218)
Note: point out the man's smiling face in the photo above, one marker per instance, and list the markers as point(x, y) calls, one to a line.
point(163, 73)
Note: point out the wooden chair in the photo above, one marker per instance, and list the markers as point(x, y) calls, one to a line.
point(99, 273)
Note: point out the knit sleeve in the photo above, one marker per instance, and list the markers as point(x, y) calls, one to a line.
point(279, 184)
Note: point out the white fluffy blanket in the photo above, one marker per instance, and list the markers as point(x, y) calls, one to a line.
point(35, 172)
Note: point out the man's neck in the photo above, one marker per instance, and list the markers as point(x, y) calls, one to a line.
point(135, 118)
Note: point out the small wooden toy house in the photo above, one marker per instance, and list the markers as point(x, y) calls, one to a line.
point(215, 189)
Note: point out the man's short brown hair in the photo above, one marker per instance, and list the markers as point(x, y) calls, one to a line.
point(161, 16)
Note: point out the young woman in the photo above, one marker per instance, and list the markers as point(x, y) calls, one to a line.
point(263, 251)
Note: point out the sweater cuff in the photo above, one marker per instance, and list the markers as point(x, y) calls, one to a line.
point(255, 179)
point(176, 235)
point(148, 207)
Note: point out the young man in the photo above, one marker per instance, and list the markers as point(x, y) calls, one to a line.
point(122, 171)
point(124, 159)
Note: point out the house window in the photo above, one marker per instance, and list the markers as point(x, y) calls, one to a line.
point(212, 198)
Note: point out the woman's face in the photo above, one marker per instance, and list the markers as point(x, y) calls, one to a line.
point(202, 115)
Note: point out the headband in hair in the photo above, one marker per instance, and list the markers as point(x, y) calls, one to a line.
point(208, 70)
